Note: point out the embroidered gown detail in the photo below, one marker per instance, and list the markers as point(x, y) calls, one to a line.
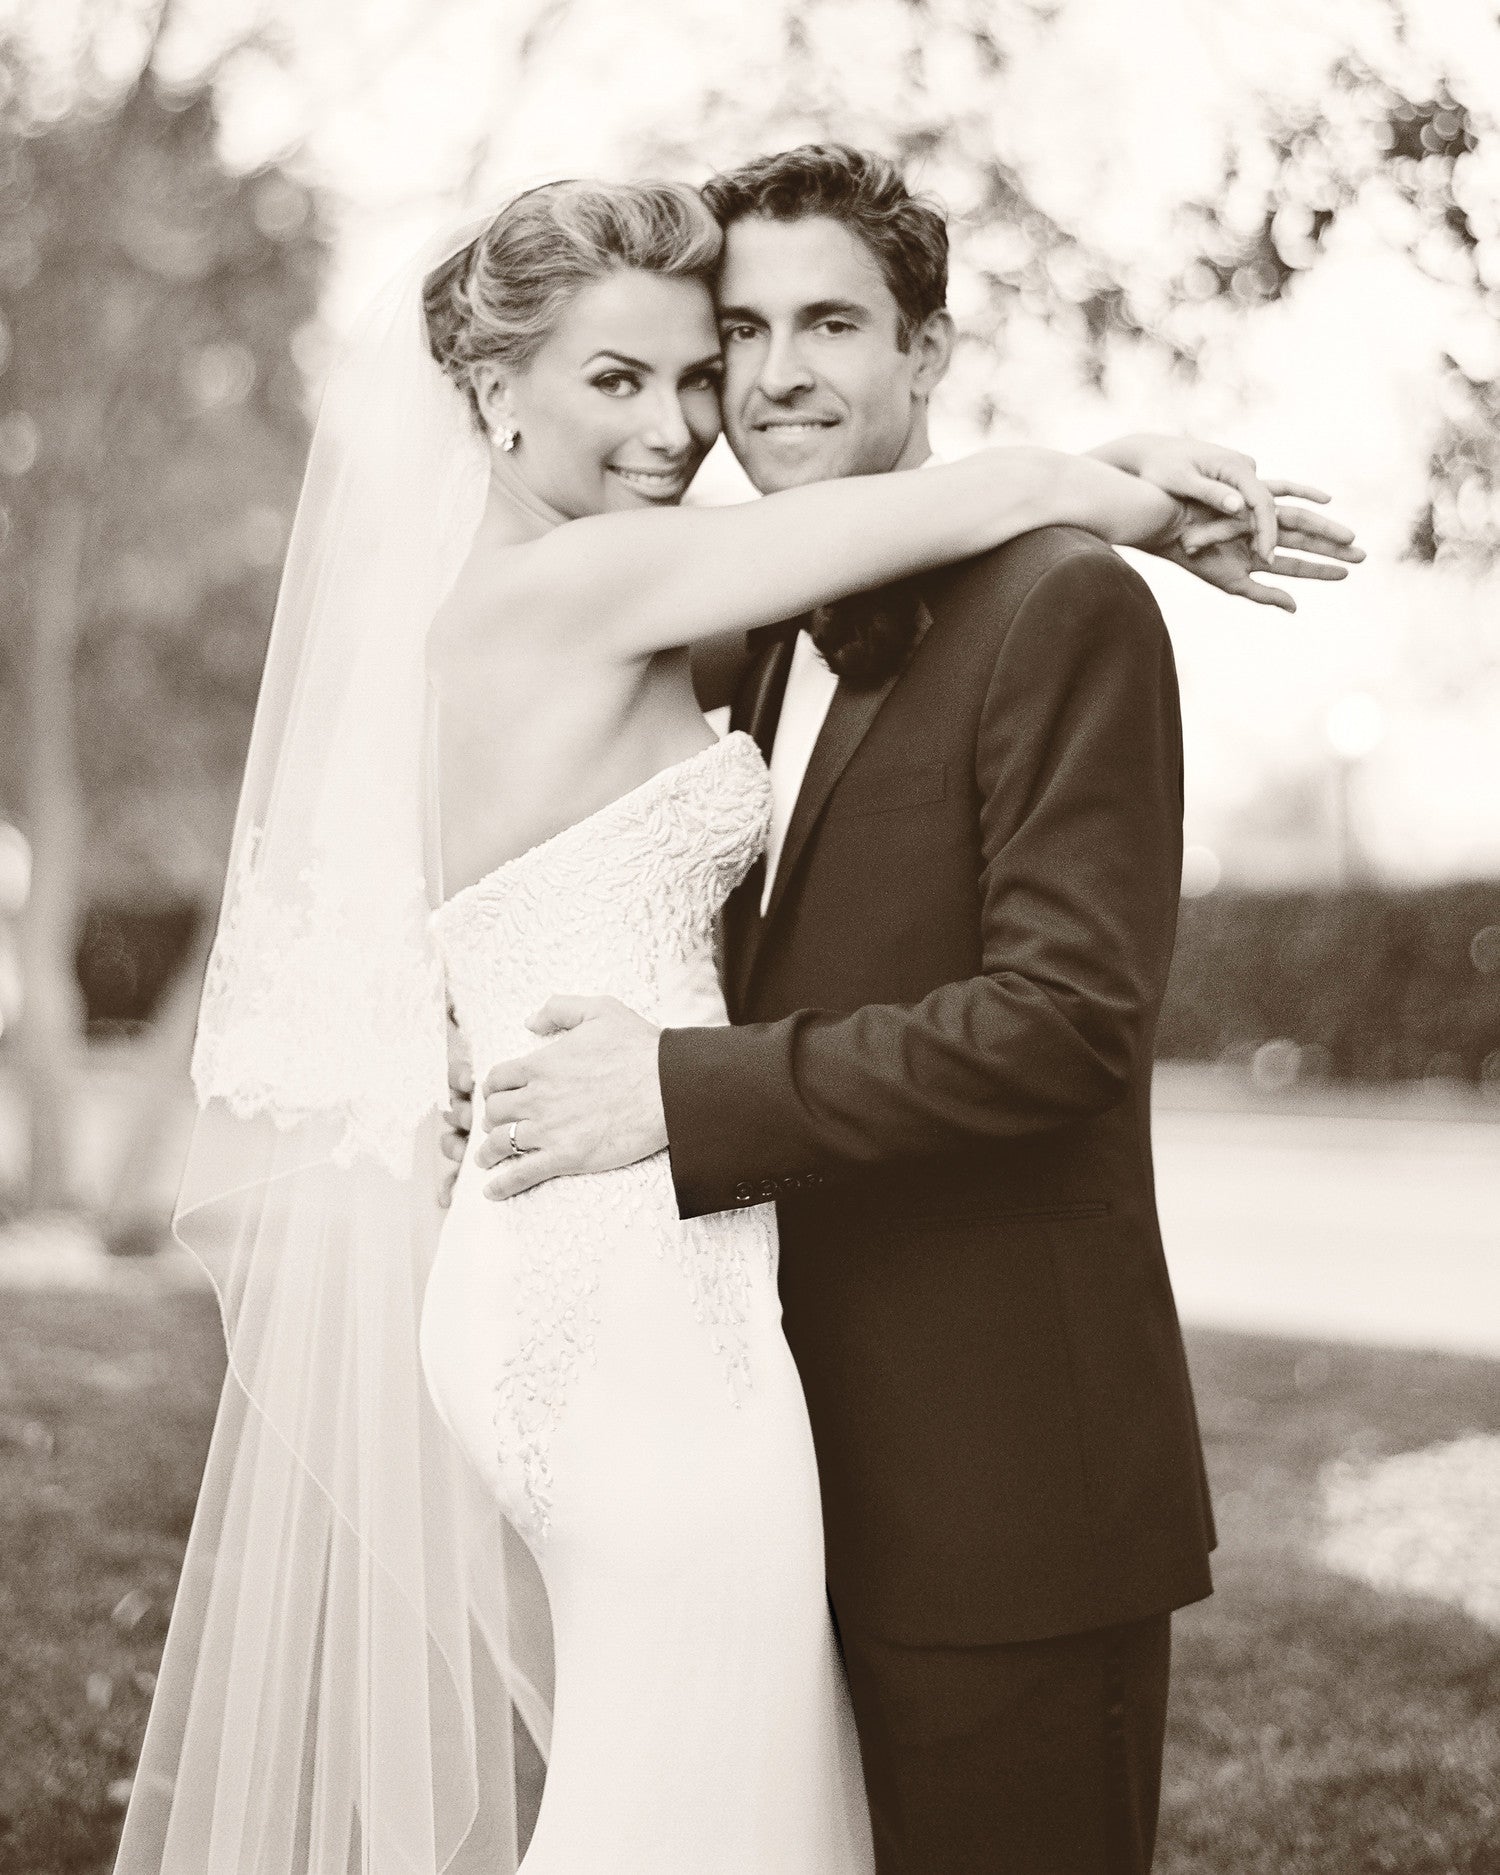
point(619, 1379)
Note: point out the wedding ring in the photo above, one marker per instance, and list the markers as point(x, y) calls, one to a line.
point(516, 1149)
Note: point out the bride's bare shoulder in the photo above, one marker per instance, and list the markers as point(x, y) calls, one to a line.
point(498, 583)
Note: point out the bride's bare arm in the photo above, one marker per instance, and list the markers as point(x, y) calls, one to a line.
point(643, 582)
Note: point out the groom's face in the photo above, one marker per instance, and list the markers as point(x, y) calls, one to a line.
point(817, 383)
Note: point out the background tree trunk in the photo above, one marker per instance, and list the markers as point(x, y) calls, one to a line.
point(135, 1217)
point(51, 1026)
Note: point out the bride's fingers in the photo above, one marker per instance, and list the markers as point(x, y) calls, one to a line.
point(1297, 491)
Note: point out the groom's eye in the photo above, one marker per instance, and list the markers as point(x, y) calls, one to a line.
point(836, 326)
point(738, 334)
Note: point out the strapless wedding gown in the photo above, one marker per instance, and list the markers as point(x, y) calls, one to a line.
point(620, 1381)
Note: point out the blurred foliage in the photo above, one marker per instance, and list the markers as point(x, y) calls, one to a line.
point(1367, 985)
point(150, 303)
point(1410, 143)
point(1427, 166)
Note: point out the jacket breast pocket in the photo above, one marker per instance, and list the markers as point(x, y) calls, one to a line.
point(888, 790)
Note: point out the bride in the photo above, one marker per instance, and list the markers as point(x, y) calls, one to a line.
point(479, 771)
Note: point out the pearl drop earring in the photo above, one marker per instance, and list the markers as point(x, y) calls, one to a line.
point(505, 436)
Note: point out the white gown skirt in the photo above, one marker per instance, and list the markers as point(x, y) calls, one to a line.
point(701, 1723)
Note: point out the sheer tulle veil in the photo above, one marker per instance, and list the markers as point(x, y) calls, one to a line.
point(354, 1624)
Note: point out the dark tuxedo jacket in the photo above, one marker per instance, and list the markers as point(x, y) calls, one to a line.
point(940, 1070)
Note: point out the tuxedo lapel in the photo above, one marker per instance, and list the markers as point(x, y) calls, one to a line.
point(850, 715)
point(756, 711)
point(762, 690)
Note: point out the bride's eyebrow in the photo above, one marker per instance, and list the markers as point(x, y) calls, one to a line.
point(620, 358)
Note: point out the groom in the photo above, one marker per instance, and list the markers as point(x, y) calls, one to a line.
point(944, 982)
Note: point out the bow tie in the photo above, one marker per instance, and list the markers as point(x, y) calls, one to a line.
point(863, 639)
point(826, 625)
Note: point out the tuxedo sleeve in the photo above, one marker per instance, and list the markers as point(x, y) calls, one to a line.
point(1078, 766)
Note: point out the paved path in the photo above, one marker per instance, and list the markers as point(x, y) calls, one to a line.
point(1380, 1226)
point(1367, 1216)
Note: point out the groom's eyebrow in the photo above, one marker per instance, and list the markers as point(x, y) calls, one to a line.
point(833, 309)
point(806, 315)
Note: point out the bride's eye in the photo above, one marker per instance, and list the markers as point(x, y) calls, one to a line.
point(711, 379)
point(616, 384)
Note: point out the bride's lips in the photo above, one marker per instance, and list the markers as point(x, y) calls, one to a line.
point(653, 484)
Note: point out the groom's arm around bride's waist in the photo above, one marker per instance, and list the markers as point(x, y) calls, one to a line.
point(1077, 802)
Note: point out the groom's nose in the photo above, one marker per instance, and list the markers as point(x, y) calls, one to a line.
point(784, 371)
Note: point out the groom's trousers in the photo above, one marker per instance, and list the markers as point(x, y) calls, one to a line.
point(1029, 1758)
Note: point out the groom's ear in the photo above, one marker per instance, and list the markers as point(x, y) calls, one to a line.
point(932, 345)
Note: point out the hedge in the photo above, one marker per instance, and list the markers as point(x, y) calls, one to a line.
point(1370, 985)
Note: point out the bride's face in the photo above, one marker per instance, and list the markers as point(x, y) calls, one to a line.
point(621, 403)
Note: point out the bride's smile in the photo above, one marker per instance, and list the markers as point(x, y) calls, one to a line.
point(619, 404)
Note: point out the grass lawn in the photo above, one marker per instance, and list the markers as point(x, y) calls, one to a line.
point(1319, 1728)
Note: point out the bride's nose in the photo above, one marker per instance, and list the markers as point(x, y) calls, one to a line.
point(667, 429)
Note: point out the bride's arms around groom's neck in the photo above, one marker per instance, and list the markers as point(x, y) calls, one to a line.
point(634, 584)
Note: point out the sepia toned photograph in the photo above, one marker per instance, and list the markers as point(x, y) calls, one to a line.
point(749, 937)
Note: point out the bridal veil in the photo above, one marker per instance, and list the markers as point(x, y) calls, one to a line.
point(354, 1624)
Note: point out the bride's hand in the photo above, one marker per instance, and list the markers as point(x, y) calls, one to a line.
point(1216, 479)
point(1225, 554)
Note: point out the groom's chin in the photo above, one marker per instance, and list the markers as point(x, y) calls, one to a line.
point(772, 467)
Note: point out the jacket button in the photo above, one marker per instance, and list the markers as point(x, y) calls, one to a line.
point(742, 1193)
point(769, 1188)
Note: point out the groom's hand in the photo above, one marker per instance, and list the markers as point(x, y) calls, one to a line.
point(1223, 481)
point(588, 1101)
point(1309, 545)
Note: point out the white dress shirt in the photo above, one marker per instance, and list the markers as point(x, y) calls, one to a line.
point(809, 691)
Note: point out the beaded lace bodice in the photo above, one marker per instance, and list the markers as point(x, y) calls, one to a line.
point(622, 904)
point(617, 905)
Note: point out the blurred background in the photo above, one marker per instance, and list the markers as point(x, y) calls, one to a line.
point(1224, 219)
point(1269, 224)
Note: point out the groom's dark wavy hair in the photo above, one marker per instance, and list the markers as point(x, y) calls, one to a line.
point(906, 233)
point(864, 638)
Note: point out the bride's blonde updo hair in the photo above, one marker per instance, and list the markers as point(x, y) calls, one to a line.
point(498, 299)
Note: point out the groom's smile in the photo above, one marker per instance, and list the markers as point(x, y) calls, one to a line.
point(818, 383)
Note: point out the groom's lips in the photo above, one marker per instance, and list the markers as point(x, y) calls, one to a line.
point(793, 429)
